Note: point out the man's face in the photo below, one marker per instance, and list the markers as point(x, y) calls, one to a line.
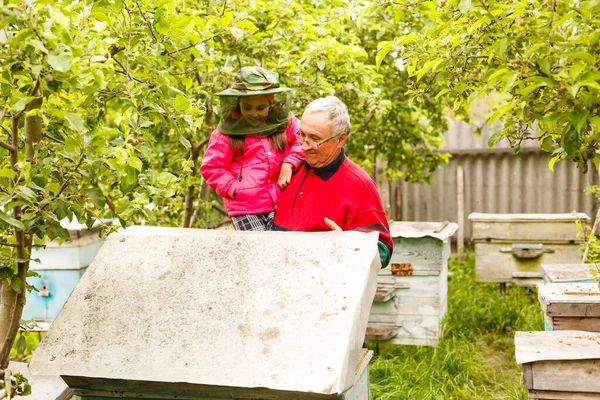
point(315, 128)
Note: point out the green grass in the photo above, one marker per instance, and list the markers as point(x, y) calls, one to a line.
point(475, 357)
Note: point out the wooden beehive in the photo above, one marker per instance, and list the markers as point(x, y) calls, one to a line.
point(564, 273)
point(412, 294)
point(509, 248)
point(560, 364)
point(196, 314)
point(570, 306)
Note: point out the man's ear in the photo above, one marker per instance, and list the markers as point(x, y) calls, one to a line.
point(343, 137)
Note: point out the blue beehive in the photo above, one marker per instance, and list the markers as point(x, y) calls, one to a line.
point(60, 267)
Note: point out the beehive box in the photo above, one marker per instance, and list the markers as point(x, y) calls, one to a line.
point(560, 364)
point(412, 295)
point(564, 273)
point(570, 306)
point(510, 248)
point(195, 314)
point(60, 267)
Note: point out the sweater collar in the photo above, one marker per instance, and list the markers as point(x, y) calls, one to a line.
point(327, 171)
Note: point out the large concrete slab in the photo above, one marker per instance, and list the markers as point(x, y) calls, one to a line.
point(281, 311)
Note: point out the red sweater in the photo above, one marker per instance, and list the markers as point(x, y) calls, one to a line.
point(340, 191)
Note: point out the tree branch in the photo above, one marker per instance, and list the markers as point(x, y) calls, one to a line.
point(195, 44)
point(125, 71)
point(8, 147)
point(147, 22)
point(9, 244)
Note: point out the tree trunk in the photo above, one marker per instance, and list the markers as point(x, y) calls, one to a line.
point(11, 302)
point(33, 128)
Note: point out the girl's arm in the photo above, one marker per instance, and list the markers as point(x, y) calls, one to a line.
point(295, 155)
point(215, 165)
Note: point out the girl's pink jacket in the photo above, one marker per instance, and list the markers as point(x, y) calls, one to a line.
point(248, 182)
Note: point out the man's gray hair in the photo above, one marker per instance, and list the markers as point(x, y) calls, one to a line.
point(335, 110)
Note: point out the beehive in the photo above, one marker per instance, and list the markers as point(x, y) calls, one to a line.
point(560, 364)
point(509, 248)
point(412, 295)
point(196, 314)
point(570, 306)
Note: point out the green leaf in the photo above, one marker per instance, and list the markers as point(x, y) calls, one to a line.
point(581, 55)
point(12, 221)
point(500, 48)
point(181, 103)
point(59, 62)
point(321, 65)
point(576, 70)
point(508, 81)
point(441, 93)
point(17, 284)
point(186, 143)
point(579, 119)
point(545, 66)
point(75, 121)
point(96, 196)
point(383, 48)
point(136, 163)
point(553, 161)
point(497, 75)
point(495, 139)
point(26, 194)
point(500, 112)
point(247, 25)
point(21, 342)
point(571, 142)
point(547, 144)
point(7, 173)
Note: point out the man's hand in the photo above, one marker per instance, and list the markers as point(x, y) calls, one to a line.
point(332, 225)
point(285, 175)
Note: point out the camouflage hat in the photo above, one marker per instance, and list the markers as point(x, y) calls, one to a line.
point(254, 81)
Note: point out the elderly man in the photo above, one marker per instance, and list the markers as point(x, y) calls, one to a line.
point(329, 191)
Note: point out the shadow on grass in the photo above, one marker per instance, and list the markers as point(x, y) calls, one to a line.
point(475, 357)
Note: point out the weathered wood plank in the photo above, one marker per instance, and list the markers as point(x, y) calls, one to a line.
point(527, 375)
point(556, 345)
point(562, 273)
point(567, 375)
point(385, 291)
point(493, 265)
point(377, 333)
point(575, 324)
point(526, 227)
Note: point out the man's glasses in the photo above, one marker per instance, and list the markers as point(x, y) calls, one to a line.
point(313, 145)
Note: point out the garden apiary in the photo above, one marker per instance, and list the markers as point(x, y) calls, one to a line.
point(570, 306)
point(564, 273)
point(412, 293)
point(560, 364)
point(509, 248)
point(197, 314)
point(60, 267)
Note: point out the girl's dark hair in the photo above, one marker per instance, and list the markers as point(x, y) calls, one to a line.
point(278, 141)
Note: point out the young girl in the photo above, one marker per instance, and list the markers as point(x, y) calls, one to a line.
point(253, 152)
